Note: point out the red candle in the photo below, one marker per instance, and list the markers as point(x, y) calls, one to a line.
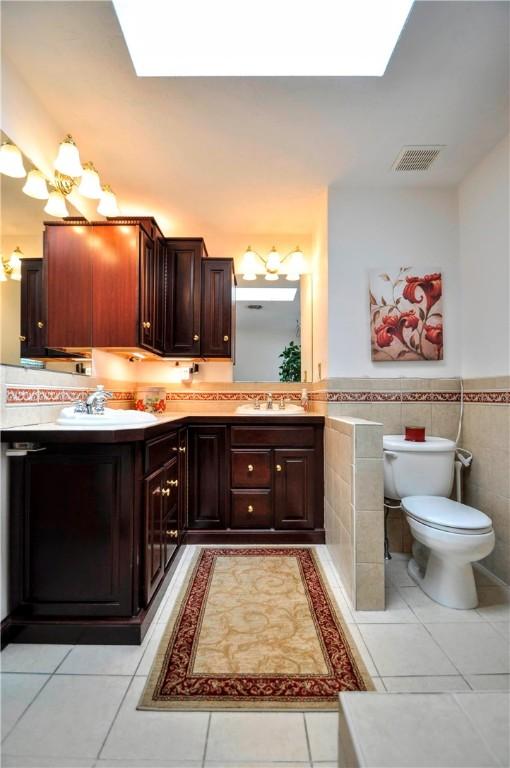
point(415, 434)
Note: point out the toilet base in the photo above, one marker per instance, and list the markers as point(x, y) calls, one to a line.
point(451, 584)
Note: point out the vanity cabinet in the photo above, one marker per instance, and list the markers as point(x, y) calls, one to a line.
point(207, 467)
point(33, 309)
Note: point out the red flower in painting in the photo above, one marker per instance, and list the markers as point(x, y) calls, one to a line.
point(429, 284)
point(392, 327)
point(434, 334)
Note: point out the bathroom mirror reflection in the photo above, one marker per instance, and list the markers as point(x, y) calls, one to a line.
point(23, 219)
point(273, 330)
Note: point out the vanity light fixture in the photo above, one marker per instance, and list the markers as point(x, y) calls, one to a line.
point(108, 202)
point(90, 185)
point(56, 205)
point(11, 267)
point(11, 161)
point(251, 265)
point(35, 186)
point(67, 161)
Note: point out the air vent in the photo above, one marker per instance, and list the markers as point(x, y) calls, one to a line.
point(416, 158)
point(254, 306)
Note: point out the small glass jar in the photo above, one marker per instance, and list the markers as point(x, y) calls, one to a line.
point(151, 399)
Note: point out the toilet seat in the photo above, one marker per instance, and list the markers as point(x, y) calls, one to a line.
point(447, 515)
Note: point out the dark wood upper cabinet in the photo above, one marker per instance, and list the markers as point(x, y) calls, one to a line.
point(183, 260)
point(148, 291)
point(216, 322)
point(33, 309)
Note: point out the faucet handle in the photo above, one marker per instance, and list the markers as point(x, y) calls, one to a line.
point(80, 406)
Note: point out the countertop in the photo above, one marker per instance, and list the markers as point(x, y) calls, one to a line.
point(55, 433)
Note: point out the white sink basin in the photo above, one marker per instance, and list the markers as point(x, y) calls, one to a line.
point(289, 410)
point(111, 417)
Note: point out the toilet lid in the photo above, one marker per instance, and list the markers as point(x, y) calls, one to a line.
point(440, 512)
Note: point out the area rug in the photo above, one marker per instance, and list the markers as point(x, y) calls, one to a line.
point(254, 628)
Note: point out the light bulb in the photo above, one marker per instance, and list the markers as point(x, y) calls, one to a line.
point(273, 260)
point(56, 205)
point(35, 185)
point(108, 203)
point(292, 276)
point(90, 186)
point(296, 265)
point(15, 258)
point(249, 264)
point(11, 161)
point(271, 276)
point(249, 276)
point(16, 273)
point(68, 158)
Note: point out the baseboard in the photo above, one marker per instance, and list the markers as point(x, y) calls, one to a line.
point(316, 536)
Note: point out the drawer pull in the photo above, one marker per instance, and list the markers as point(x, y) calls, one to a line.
point(182, 448)
point(172, 534)
point(173, 483)
point(146, 325)
point(156, 490)
point(40, 324)
point(250, 467)
point(165, 492)
point(196, 337)
point(225, 338)
point(250, 509)
point(174, 448)
point(22, 338)
point(278, 467)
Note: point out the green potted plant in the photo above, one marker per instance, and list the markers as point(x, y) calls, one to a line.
point(290, 369)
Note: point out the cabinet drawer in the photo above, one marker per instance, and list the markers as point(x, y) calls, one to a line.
point(280, 437)
point(160, 450)
point(251, 469)
point(251, 509)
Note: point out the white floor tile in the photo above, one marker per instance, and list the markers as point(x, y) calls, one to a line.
point(102, 660)
point(473, 648)
point(257, 737)
point(484, 578)
point(31, 657)
point(362, 649)
point(22, 761)
point(148, 763)
point(489, 682)
point(258, 764)
point(17, 692)
point(427, 610)
point(322, 728)
point(70, 717)
point(155, 735)
point(490, 715)
point(494, 603)
point(396, 571)
point(378, 684)
point(404, 649)
point(396, 612)
point(430, 684)
point(342, 604)
point(502, 628)
point(149, 655)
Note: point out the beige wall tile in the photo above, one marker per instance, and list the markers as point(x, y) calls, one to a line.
point(369, 587)
point(416, 385)
point(369, 536)
point(368, 479)
point(390, 416)
point(445, 419)
point(417, 415)
point(368, 441)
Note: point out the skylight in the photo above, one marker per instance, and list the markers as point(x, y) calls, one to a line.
point(265, 294)
point(195, 38)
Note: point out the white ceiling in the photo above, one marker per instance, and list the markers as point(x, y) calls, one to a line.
point(252, 154)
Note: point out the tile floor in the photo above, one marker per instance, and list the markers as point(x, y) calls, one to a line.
point(72, 706)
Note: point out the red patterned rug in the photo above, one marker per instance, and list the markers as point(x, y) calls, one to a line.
point(254, 628)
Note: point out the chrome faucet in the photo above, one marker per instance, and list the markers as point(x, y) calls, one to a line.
point(95, 401)
point(281, 404)
point(269, 401)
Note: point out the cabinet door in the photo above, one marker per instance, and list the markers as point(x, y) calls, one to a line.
point(183, 278)
point(115, 269)
point(171, 509)
point(68, 276)
point(72, 532)
point(294, 486)
point(207, 482)
point(216, 308)
point(33, 310)
point(154, 533)
point(183, 480)
point(148, 291)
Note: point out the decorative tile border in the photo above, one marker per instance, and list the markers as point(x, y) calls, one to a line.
point(499, 397)
point(231, 396)
point(36, 395)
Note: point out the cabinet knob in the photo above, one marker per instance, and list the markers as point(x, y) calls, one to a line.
point(278, 467)
point(165, 492)
point(182, 448)
point(172, 534)
point(156, 490)
point(173, 483)
point(22, 338)
point(146, 325)
point(250, 467)
point(40, 324)
point(196, 337)
point(250, 509)
point(225, 338)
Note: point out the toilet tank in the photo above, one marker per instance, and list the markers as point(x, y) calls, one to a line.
point(418, 469)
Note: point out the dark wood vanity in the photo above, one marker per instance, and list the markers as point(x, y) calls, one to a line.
point(97, 517)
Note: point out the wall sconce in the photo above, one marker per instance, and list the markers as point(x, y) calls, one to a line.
point(11, 267)
point(35, 186)
point(272, 264)
point(11, 161)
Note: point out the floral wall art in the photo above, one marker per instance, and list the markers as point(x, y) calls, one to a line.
point(406, 314)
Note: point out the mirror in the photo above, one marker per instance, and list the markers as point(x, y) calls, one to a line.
point(22, 227)
point(273, 330)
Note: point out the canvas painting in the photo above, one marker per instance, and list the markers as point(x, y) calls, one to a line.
point(406, 314)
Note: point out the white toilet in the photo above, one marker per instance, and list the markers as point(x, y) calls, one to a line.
point(421, 476)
